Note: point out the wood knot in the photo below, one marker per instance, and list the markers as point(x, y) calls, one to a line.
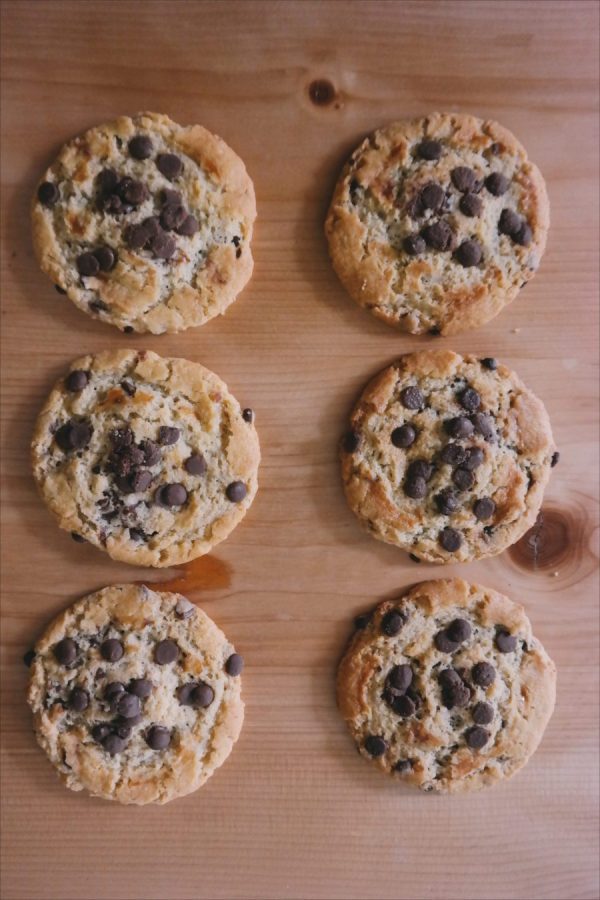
point(321, 92)
point(547, 544)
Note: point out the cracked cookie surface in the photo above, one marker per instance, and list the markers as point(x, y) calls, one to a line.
point(436, 223)
point(447, 456)
point(146, 224)
point(136, 695)
point(446, 688)
point(148, 458)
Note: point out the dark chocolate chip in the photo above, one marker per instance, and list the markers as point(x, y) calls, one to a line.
point(483, 674)
point(484, 425)
point(456, 694)
point(473, 459)
point(97, 306)
point(131, 191)
point(87, 265)
point(113, 689)
point(169, 165)
point(73, 435)
point(453, 454)
point(414, 245)
point(497, 184)
point(403, 436)
point(236, 491)
point(448, 677)
point(100, 731)
point(470, 205)
point(484, 508)
point(439, 236)
point(459, 630)
point(412, 398)
point(166, 652)
point(447, 502)
point(414, 558)
point(158, 737)
point(76, 380)
point(65, 652)
point(136, 236)
point(171, 495)
point(48, 193)
point(168, 435)
point(476, 737)
point(509, 222)
point(469, 253)
point(79, 699)
point(122, 728)
point(151, 452)
point(248, 415)
point(234, 664)
point(128, 387)
point(403, 705)
point(202, 696)
point(392, 622)
point(420, 468)
point(59, 289)
point(429, 149)
point(450, 539)
point(523, 236)
point(111, 650)
point(400, 678)
point(162, 245)
point(463, 479)
point(415, 488)
point(126, 705)
point(128, 329)
point(482, 713)
point(505, 641)
point(140, 481)
point(190, 226)
point(29, 657)
point(555, 459)
point(432, 196)
point(489, 363)
point(195, 464)
point(351, 442)
point(184, 609)
point(459, 427)
point(403, 766)
point(362, 620)
point(114, 744)
point(469, 399)
point(141, 687)
point(140, 146)
point(172, 216)
point(375, 745)
point(136, 534)
point(106, 257)
point(184, 693)
point(463, 179)
point(107, 180)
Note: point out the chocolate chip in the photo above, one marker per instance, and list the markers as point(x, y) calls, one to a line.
point(463, 179)
point(469, 399)
point(400, 678)
point(350, 442)
point(122, 729)
point(420, 468)
point(106, 257)
point(450, 539)
point(449, 677)
point(168, 435)
point(195, 464)
point(111, 203)
point(362, 620)
point(87, 265)
point(171, 495)
point(234, 665)
point(489, 363)
point(166, 652)
point(151, 452)
point(236, 491)
point(29, 657)
point(140, 481)
point(453, 454)
point(523, 236)
point(73, 435)
point(505, 641)
point(414, 245)
point(469, 253)
point(97, 306)
point(113, 744)
point(375, 745)
point(483, 674)
point(476, 737)
point(484, 508)
point(403, 706)
point(403, 436)
point(140, 146)
point(172, 216)
point(484, 425)
point(496, 184)
point(414, 558)
point(107, 180)
point(463, 479)
point(79, 699)
point(416, 488)
point(128, 387)
point(126, 705)
point(141, 687)
point(429, 149)
point(432, 196)
point(555, 459)
point(439, 236)
point(459, 630)
point(482, 713)
point(184, 609)
point(169, 165)
point(162, 245)
point(76, 380)
point(158, 737)
point(392, 622)
point(59, 289)
point(470, 205)
point(412, 398)
point(202, 696)
point(456, 694)
point(136, 534)
point(248, 415)
point(136, 236)
point(111, 650)
point(48, 193)
point(403, 766)
point(509, 222)
point(190, 226)
point(100, 731)
point(78, 538)
point(459, 427)
point(113, 689)
point(447, 502)
point(495, 148)
point(473, 459)
point(65, 652)
point(184, 693)
point(131, 191)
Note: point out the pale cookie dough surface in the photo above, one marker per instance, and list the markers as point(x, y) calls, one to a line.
point(112, 693)
point(163, 261)
point(447, 457)
point(447, 715)
point(414, 227)
point(150, 459)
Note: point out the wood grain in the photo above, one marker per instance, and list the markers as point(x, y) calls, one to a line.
point(294, 813)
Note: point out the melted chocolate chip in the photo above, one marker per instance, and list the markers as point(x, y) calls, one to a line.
point(172, 216)
point(141, 687)
point(151, 452)
point(456, 694)
point(190, 226)
point(162, 245)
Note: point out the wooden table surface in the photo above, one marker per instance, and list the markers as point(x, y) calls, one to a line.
point(294, 813)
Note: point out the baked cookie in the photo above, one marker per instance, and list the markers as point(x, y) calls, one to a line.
point(436, 223)
point(136, 695)
point(146, 224)
point(150, 459)
point(447, 456)
point(446, 688)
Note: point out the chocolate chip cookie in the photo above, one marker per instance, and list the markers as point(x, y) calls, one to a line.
point(446, 688)
point(146, 224)
point(136, 695)
point(447, 456)
point(150, 459)
point(436, 223)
